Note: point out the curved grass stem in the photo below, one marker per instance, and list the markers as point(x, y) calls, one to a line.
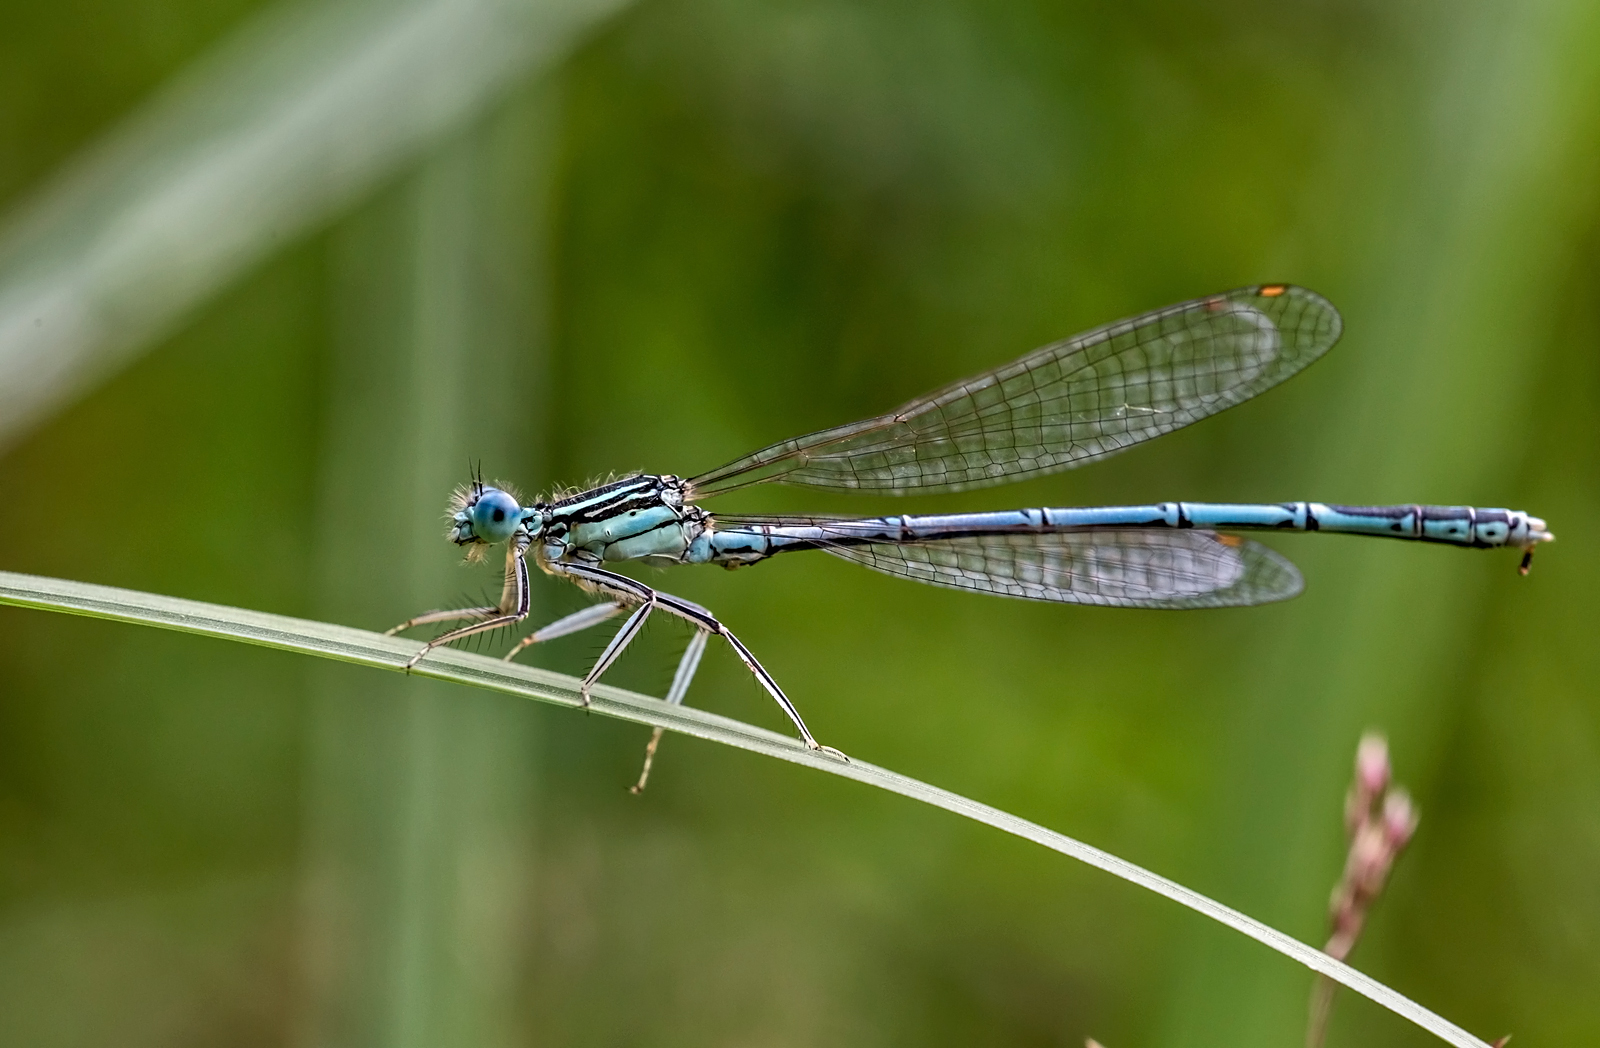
point(390, 653)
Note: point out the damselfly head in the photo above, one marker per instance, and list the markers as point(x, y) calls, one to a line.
point(481, 516)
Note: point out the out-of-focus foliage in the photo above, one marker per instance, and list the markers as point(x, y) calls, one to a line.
point(722, 224)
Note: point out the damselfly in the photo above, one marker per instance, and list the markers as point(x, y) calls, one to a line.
point(1062, 405)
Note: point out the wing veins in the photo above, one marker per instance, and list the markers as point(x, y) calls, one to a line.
point(1064, 404)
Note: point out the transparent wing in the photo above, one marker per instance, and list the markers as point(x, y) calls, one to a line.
point(1128, 569)
point(1064, 404)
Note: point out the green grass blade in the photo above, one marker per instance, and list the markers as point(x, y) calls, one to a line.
point(390, 653)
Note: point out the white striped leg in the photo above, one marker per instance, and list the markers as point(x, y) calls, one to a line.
point(619, 643)
point(686, 667)
point(680, 687)
point(634, 594)
point(648, 600)
point(593, 616)
point(512, 609)
point(442, 616)
point(578, 620)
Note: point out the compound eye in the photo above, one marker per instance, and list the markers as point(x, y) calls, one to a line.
point(495, 516)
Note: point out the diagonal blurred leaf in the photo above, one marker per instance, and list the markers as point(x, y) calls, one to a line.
point(279, 128)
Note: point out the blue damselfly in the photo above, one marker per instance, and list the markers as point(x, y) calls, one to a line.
point(1062, 405)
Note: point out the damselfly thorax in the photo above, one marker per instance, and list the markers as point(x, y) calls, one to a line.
point(637, 518)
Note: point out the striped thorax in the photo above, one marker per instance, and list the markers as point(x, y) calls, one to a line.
point(638, 518)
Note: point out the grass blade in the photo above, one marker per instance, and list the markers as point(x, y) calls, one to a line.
point(390, 653)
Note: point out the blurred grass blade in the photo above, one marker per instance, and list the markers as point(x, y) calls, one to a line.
point(370, 649)
point(427, 863)
point(279, 128)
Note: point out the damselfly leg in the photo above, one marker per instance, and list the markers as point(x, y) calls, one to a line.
point(593, 616)
point(648, 600)
point(429, 617)
point(578, 620)
point(512, 609)
point(680, 687)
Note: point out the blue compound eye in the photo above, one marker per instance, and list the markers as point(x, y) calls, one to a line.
point(495, 516)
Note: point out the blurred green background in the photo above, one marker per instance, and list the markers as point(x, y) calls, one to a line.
point(682, 229)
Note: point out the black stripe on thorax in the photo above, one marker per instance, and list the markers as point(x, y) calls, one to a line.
point(609, 501)
point(659, 527)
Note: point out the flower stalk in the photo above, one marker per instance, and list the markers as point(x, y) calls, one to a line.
point(1379, 821)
